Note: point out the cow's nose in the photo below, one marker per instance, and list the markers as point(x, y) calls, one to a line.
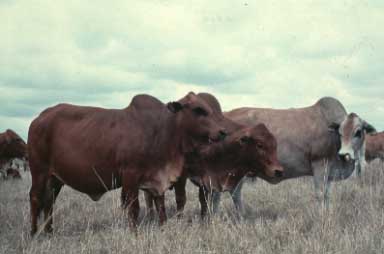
point(222, 134)
point(345, 157)
point(278, 173)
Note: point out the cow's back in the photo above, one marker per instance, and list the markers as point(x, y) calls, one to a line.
point(43, 127)
point(93, 126)
point(74, 141)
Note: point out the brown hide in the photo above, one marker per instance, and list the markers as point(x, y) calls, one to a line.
point(374, 146)
point(94, 150)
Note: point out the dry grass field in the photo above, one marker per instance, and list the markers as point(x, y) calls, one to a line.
point(283, 218)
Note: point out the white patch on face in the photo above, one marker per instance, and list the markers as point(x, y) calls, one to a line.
point(347, 149)
point(350, 145)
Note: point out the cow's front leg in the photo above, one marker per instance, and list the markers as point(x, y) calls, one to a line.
point(327, 193)
point(318, 179)
point(203, 198)
point(149, 200)
point(236, 196)
point(216, 197)
point(320, 171)
point(207, 199)
point(160, 207)
point(180, 195)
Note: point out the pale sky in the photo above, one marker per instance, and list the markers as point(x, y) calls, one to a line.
point(266, 53)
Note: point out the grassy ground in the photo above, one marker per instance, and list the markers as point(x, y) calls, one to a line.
point(283, 218)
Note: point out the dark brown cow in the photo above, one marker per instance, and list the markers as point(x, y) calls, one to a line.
point(220, 167)
point(374, 146)
point(94, 150)
point(11, 146)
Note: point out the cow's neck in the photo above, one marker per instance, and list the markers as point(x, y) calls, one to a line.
point(171, 136)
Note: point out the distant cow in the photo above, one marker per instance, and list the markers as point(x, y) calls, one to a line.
point(374, 146)
point(94, 150)
point(221, 166)
point(10, 170)
point(353, 131)
point(12, 146)
point(307, 144)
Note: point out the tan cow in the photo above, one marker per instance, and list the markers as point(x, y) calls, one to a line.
point(307, 142)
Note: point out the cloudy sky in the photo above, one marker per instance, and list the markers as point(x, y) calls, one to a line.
point(248, 53)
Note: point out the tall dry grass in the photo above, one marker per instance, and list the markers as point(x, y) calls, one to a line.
point(283, 218)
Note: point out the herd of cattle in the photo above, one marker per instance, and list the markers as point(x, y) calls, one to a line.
point(152, 146)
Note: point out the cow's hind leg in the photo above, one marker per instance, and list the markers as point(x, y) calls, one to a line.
point(52, 190)
point(36, 197)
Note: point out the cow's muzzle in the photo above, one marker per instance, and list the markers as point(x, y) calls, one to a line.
point(220, 136)
point(278, 173)
point(345, 157)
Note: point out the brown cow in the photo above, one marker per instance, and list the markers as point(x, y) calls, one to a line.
point(94, 150)
point(374, 146)
point(12, 146)
point(220, 167)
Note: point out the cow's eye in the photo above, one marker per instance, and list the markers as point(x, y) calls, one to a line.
point(259, 145)
point(358, 134)
point(200, 111)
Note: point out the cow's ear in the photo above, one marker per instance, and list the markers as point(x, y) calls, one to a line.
point(174, 106)
point(369, 128)
point(334, 127)
point(245, 140)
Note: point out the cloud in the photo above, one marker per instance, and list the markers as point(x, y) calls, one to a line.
point(254, 53)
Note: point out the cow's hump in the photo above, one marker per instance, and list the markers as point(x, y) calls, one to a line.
point(332, 109)
point(144, 101)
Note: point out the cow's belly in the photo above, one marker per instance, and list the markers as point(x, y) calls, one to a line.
point(89, 180)
point(294, 161)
